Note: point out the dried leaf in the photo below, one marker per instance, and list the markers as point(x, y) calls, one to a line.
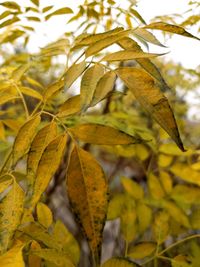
point(102, 135)
point(147, 92)
point(170, 28)
point(90, 207)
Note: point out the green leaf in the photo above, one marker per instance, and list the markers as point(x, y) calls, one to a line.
point(147, 92)
point(88, 84)
point(170, 28)
point(90, 207)
point(132, 188)
point(102, 135)
point(40, 142)
point(119, 262)
point(44, 215)
point(61, 11)
point(24, 138)
point(128, 55)
point(104, 87)
point(47, 166)
point(142, 250)
point(11, 212)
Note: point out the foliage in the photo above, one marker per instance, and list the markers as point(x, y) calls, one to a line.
point(48, 128)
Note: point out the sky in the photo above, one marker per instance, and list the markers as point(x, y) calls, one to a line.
point(178, 46)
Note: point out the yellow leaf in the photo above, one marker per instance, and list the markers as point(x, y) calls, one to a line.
point(6, 98)
point(61, 11)
point(91, 205)
point(164, 160)
point(40, 142)
point(24, 138)
point(48, 165)
point(14, 255)
point(170, 28)
point(137, 15)
point(102, 135)
point(128, 55)
point(195, 219)
point(88, 84)
point(155, 187)
point(71, 106)
point(19, 72)
point(171, 149)
point(92, 38)
point(11, 212)
point(2, 131)
point(73, 73)
point(115, 206)
point(9, 22)
point(177, 214)
point(141, 152)
point(46, 8)
point(181, 261)
point(44, 215)
point(66, 242)
point(57, 257)
point(10, 5)
point(147, 36)
point(119, 262)
point(12, 124)
point(53, 89)
point(144, 216)
point(94, 48)
point(166, 181)
point(132, 188)
point(186, 173)
point(161, 226)
point(30, 92)
point(147, 92)
point(142, 250)
point(186, 194)
point(35, 2)
point(104, 86)
point(5, 182)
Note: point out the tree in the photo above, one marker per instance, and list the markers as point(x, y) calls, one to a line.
point(50, 139)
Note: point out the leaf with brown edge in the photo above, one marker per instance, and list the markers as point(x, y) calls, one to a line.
point(86, 179)
point(128, 55)
point(48, 165)
point(88, 84)
point(24, 138)
point(170, 28)
point(11, 211)
point(147, 92)
point(102, 135)
point(40, 142)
